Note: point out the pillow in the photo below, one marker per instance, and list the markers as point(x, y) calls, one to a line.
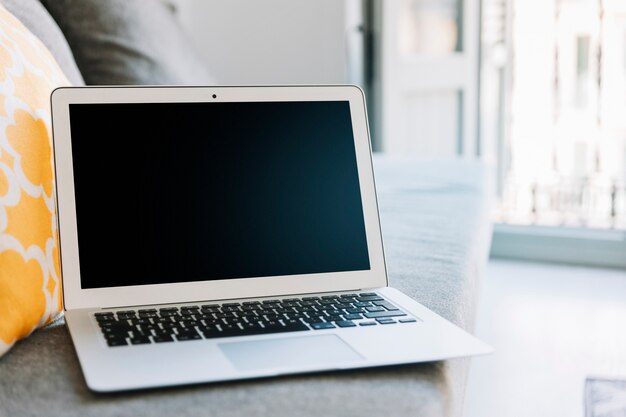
point(37, 19)
point(30, 290)
point(128, 42)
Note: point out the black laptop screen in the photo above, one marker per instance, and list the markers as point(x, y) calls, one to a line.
point(177, 192)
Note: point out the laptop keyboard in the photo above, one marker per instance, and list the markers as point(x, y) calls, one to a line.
point(207, 321)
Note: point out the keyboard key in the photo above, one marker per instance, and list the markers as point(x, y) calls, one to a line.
point(378, 314)
point(141, 340)
point(163, 338)
point(368, 294)
point(410, 320)
point(189, 312)
point(115, 327)
point(345, 323)
point(104, 319)
point(386, 321)
point(252, 328)
point(360, 304)
point(320, 326)
point(273, 327)
point(117, 342)
point(267, 328)
point(292, 303)
point(353, 316)
point(167, 319)
point(230, 327)
point(365, 299)
point(295, 316)
point(314, 319)
point(188, 336)
point(367, 323)
point(296, 327)
point(111, 336)
point(386, 304)
point(374, 309)
point(295, 322)
point(309, 303)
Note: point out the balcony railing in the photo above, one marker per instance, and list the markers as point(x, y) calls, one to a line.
point(565, 201)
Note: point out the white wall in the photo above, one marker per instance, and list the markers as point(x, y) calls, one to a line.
point(269, 41)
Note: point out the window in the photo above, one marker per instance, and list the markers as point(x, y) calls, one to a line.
point(428, 77)
point(555, 69)
point(552, 86)
point(565, 127)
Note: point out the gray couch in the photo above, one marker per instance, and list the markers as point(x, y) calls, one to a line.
point(436, 233)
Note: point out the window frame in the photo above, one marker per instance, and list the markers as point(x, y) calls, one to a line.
point(558, 244)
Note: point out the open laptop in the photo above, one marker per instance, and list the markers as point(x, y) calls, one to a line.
point(222, 233)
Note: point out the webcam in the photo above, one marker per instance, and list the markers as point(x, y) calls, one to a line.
point(214, 95)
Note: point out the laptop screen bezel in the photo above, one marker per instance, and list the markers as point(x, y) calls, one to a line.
point(77, 297)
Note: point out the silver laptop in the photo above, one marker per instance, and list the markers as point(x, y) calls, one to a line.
point(221, 233)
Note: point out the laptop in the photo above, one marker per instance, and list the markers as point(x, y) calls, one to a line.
point(222, 233)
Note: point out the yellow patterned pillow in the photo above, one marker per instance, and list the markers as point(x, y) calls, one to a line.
point(30, 290)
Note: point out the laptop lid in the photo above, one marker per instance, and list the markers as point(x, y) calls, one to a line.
point(182, 194)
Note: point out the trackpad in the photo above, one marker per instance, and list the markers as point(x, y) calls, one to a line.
point(290, 352)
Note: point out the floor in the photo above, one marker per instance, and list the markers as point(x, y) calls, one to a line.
point(551, 327)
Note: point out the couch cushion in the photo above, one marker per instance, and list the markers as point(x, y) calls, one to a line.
point(30, 294)
point(35, 17)
point(128, 42)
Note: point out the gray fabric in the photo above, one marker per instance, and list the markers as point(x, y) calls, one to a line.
point(128, 42)
point(436, 234)
point(35, 17)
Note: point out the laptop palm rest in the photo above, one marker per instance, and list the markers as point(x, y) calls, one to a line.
point(291, 352)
